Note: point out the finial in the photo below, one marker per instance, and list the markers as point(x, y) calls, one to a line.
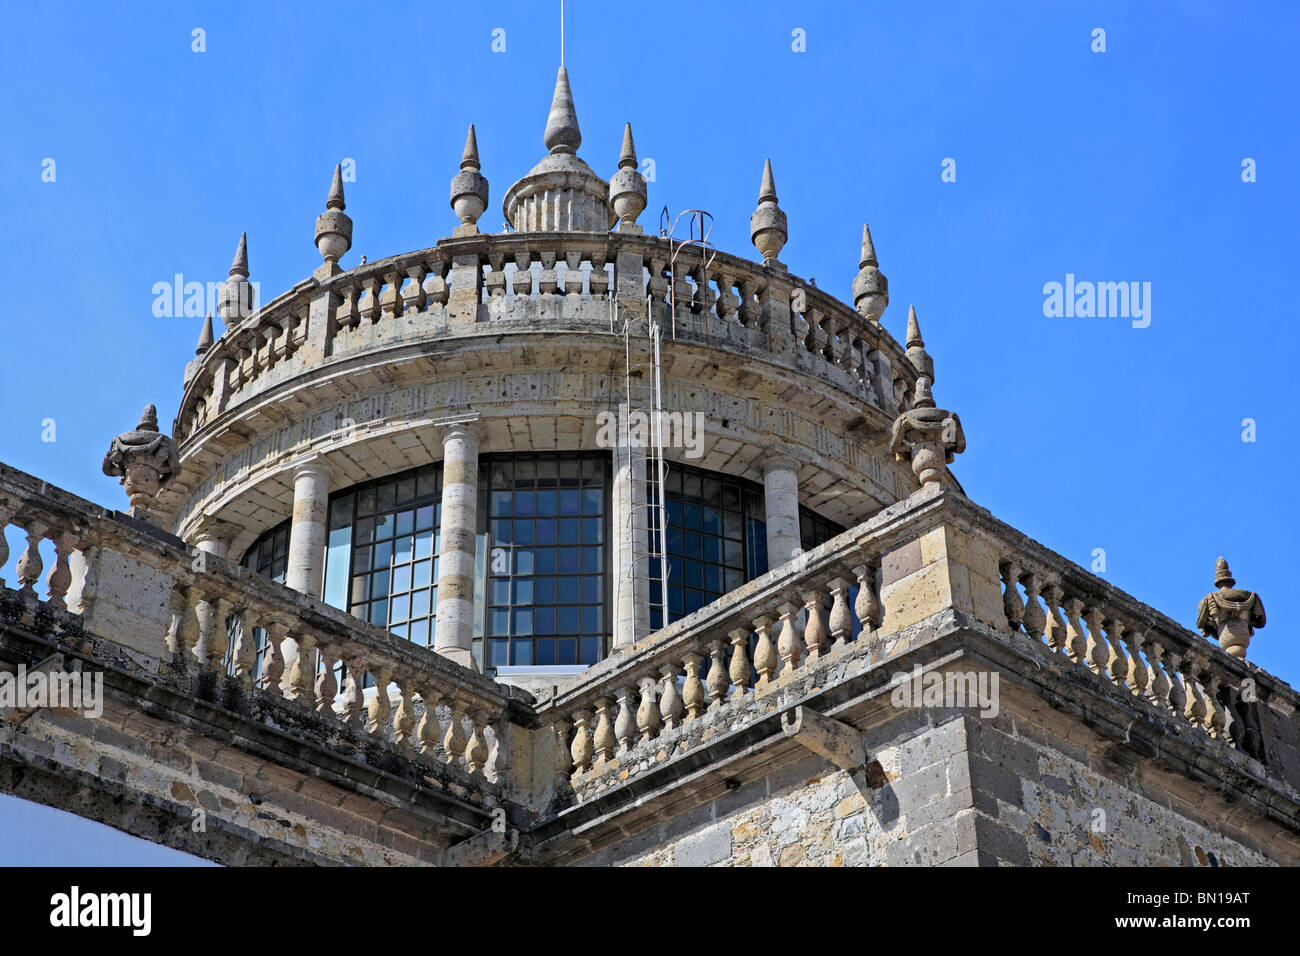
point(239, 267)
point(235, 300)
point(144, 459)
point(627, 187)
point(916, 352)
point(334, 226)
point(914, 339)
point(1230, 614)
point(562, 133)
point(469, 188)
point(205, 336)
point(768, 229)
point(870, 287)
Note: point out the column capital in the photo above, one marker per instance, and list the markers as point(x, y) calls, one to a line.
point(459, 426)
point(777, 460)
point(313, 464)
point(212, 531)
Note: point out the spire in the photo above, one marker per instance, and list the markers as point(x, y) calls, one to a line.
point(240, 265)
point(469, 158)
point(335, 200)
point(870, 287)
point(914, 339)
point(768, 229)
point(205, 336)
point(562, 133)
point(627, 158)
point(768, 189)
point(917, 354)
point(868, 257)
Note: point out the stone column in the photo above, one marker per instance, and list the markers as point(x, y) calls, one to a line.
point(305, 569)
point(214, 537)
point(781, 503)
point(454, 622)
point(631, 613)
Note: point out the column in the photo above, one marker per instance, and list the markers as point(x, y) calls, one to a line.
point(305, 569)
point(781, 502)
point(454, 621)
point(214, 537)
point(631, 566)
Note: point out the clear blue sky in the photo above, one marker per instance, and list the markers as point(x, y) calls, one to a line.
point(1118, 166)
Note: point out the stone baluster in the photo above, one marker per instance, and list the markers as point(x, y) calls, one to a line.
point(739, 669)
point(494, 284)
point(273, 657)
point(548, 282)
point(453, 741)
point(1138, 677)
point(6, 515)
point(671, 708)
point(563, 762)
point(327, 684)
point(788, 644)
point(354, 695)
point(381, 706)
point(1056, 631)
point(598, 279)
point(870, 612)
point(1196, 710)
point(369, 303)
point(435, 283)
point(428, 731)
point(1012, 606)
point(347, 315)
point(816, 635)
point(582, 749)
point(1034, 620)
point(414, 297)
point(1158, 690)
point(728, 301)
point(390, 301)
point(302, 672)
point(176, 624)
point(604, 741)
point(30, 563)
point(625, 722)
point(1218, 716)
point(841, 618)
point(1096, 647)
point(573, 276)
point(205, 612)
point(521, 283)
point(716, 681)
point(693, 688)
point(1076, 644)
point(404, 719)
point(765, 657)
point(1117, 666)
point(657, 289)
point(647, 713)
point(750, 312)
point(1177, 692)
point(498, 751)
point(60, 576)
point(245, 655)
point(476, 751)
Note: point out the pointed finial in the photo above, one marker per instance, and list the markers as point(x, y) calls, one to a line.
point(148, 419)
point(469, 158)
point(627, 188)
point(205, 336)
point(870, 287)
point(562, 133)
point(1222, 576)
point(916, 352)
point(627, 158)
point(335, 200)
point(469, 188)
point(768, 229)
point(240, 265)
point(914, 339)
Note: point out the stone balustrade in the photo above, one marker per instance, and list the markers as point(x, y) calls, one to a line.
point(571, 282)
point(145, 589)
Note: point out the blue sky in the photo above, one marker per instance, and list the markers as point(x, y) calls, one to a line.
point(1125, 165)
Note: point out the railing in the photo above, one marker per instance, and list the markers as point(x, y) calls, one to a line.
point(733, 303)
point(463, 714)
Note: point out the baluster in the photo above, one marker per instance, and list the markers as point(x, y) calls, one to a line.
point(495, 769)
point(705, 297)
point(1076, 644)
point(428, 731)
point(582, 749)
point(303, 672)
point(749, 311)
point(435, 283)
point(1159, 689)
point(841, 619)
point(381, 707)
point(60, 577)
point(1117, 666)
point(728, 301)
point(30, 564)
point(657, 288)
point(1217, 716)
point(522, 281)
point(739, 669)
point(573, 276)
point(354, 694)
point(716, 681)
point(476, 751)
point(816, 636)
point(1195, 709)
point(1096, 647)
point(1012, 606)
point(563, 757)
point(670, 702)
point(1034, 619)
point(494, 285)
point(788, 644)
point(647, 714)
point(1056, 630)
point(598, 279)
point(1177, 692)
point(369, 303)
point(179, 604)
point(6, 515)
point(693, 689)
point(453, 741)
point(548, 283)
point(765, 659)
point(604, 741)
point(206, 614)
point(245, 655)
point(404, 719)
point(273, 657)
point(327, 685)
point(1138, 678)
point(625, 722)
point(870, 612)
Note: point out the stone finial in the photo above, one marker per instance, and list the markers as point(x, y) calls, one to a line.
point(334, 226)
point(144, 459)
point(916, 352)
point(235, 301)
point(627, 187)
point(1230, 614)
point(562, 134)
point(870, 287)
point(205, 336)
point(925, 434)
point(767, 225)
point(469, 187)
